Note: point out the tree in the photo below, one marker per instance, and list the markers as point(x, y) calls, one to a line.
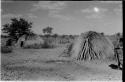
point(47, 30)
point(55, 35)
point(102, 33)
point(118, 34)
point(71, 36)
point(17, 28)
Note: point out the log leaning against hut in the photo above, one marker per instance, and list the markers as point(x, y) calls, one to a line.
point(90, 46)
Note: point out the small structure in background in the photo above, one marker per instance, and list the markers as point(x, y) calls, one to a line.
point(29, 40)
point(21, 41)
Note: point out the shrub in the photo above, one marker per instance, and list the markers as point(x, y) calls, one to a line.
point(5, 49)
point(67, 51)
point(47, 45)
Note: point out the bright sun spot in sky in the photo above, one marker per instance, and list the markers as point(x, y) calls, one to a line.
point(96, 9)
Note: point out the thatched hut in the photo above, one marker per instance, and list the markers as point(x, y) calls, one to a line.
point(90, 46)
point(30, 40)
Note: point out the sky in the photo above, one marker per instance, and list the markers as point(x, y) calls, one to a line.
point(67, 17)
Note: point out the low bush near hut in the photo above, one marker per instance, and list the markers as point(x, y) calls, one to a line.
point(5, 49)
point(48, 45)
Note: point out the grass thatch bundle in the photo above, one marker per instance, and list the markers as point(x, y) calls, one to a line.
point(91, 45)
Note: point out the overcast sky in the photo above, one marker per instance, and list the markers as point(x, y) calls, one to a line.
point(67, 17)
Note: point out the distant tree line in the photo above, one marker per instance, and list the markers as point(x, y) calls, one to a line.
point(20, 26)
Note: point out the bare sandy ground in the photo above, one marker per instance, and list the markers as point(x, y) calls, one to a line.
point(45, 64)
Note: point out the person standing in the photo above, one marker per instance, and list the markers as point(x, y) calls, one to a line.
point(117, 56)
point(116, 50)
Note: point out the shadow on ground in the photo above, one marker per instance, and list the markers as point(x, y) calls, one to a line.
point(113, 66)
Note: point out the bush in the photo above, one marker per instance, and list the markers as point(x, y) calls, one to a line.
point(5, 49)
point(68, 50)
point(47, 45)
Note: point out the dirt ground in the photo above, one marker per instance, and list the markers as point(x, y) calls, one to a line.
point(46, 65)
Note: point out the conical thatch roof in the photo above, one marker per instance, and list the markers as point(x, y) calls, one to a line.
point(91, 45)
